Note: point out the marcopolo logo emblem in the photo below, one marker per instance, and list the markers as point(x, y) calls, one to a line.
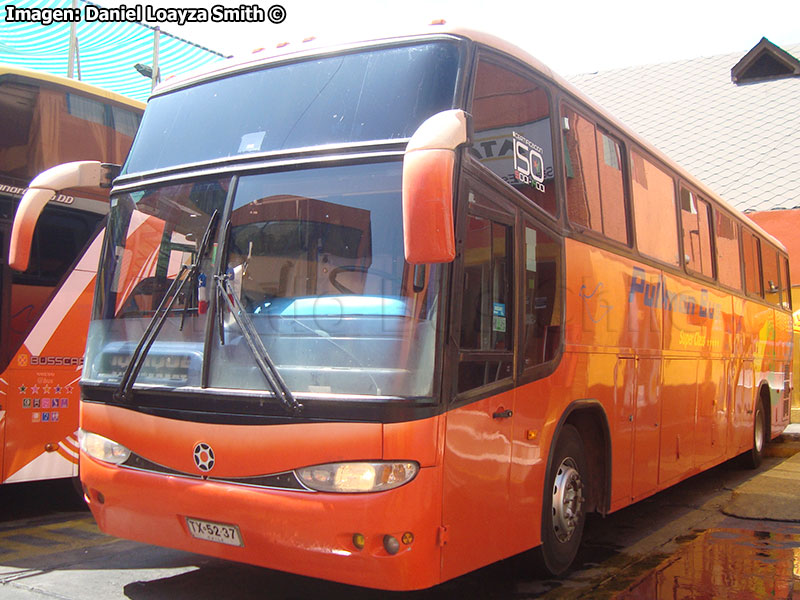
point(203, 457)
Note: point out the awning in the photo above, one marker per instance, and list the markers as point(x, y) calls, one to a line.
point(107, 52)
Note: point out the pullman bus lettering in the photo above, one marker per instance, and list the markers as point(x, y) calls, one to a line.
point(655, 294)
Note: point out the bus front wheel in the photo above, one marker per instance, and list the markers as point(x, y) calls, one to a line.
point(564, 507)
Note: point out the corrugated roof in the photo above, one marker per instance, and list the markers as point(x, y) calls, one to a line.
point(743, 141)
point(108, 51)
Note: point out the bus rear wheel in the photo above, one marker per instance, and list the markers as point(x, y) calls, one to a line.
point(752, 459)
point(564, 507)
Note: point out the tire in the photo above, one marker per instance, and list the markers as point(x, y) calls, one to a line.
point(564, 506)
point(752, 458)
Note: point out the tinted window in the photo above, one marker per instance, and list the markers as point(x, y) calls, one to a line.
point(771, 273)
point(487, 304)
point(786, 287)
point(595, 192)
point(654, 210)
point(542, 301)
point(727, 244)
point(752, 270)
point(511, 116)
point(696, 224)
point(59, 238)
point(41, 127)
point(380, 94)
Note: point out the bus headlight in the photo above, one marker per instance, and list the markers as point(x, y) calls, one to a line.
point(102, 448)
point(353, 477)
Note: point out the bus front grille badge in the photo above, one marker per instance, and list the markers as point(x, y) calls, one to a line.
point(203, 457)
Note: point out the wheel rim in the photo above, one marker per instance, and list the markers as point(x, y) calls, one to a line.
point(759, 430)
point(567, 500)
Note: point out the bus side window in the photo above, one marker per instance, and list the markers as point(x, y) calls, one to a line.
point(595, 189)
point(771, 274)
point(654, 210)
point(487, 304)
point(696, 226)
point(727, 244)
point(752, 264)
point(542, 302)
point(786, 285)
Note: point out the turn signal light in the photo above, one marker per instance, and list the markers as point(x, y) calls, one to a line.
point(359, 541)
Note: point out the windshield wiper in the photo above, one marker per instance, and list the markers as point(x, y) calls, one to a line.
point(250, 335)
point(159, 317)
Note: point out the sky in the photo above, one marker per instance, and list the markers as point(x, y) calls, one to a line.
point(570, 36)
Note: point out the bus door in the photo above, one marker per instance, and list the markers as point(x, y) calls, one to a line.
point(478, 440)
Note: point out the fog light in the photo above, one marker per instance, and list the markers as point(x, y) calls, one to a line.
point(359, 541)
point(391, 544)
point(408, 538)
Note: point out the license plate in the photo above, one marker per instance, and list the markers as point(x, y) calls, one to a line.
point(215, 532)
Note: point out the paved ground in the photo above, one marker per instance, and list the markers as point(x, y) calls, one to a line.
point(713, 536)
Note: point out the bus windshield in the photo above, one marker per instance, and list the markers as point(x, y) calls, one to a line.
point(380, 94)
point(314, 256)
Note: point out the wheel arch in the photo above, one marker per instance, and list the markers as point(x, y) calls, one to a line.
point(589, 417)
point(766, 395)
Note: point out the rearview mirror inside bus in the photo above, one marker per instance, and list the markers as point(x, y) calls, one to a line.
point(428, 174)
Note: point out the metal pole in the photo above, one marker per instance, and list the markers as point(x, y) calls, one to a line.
point(73, 44)
point(156, 76)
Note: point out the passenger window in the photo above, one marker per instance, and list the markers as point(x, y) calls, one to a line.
point(654, 211)
point(696, 224)
point(786, 286)
point(728, 260)
point(771, 273)
point(542, 300)
point(511, 117)
point(595, 192)
point(752, 264)
point(612, 191)
point(487, 304)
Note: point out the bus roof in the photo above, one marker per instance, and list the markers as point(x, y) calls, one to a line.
point(72, 84)
point(314, 46)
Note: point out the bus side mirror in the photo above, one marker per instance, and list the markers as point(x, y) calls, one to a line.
point(428, 175)
point(80, 174)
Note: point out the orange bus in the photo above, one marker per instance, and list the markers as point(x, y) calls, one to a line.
point(44, 309)
point(385, 312)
